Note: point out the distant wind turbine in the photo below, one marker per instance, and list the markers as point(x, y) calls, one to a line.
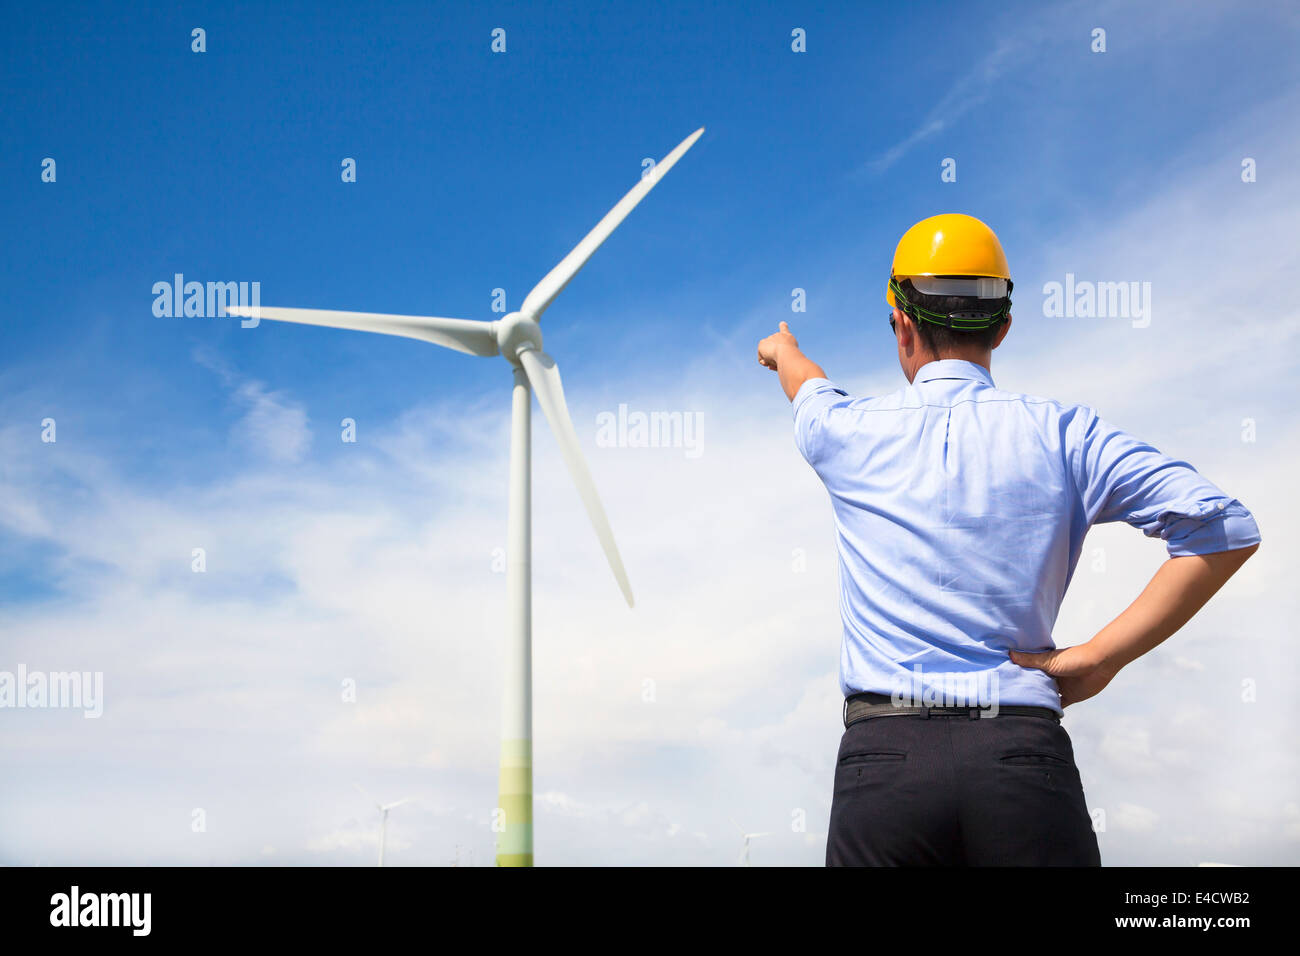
point(383, 809)
point(517, 338)
point(744, 853)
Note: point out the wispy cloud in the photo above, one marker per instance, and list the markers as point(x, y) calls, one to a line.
point(272, 427)
point(970, 90)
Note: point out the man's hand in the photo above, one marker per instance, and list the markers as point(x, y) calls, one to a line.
point(1081, 671)
point(769, 347)
point(780, 352)
point(1178, 590)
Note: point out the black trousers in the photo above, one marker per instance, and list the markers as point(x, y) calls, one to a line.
point(952, 791)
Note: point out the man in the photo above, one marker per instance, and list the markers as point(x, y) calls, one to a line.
point(960, 511)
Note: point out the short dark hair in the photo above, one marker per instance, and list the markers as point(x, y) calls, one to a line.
point(939, 337)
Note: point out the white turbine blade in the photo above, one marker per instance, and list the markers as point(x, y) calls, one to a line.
point(390, 806)
point(753, 836)
point(463, 335)
point(553, 284)
point(544, 377)
point(378, 805)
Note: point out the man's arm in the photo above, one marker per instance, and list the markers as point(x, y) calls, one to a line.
point(1178, 589)
point(1208, 536)
point(780, 352)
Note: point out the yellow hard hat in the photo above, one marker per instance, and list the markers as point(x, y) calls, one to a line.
point(948, 245)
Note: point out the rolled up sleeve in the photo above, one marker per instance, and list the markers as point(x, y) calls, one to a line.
point(1122, 478)
point(813, 405)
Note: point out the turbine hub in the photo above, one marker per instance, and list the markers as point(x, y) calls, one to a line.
point(515, 332)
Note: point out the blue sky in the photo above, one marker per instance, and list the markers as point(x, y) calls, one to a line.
point(478, 171)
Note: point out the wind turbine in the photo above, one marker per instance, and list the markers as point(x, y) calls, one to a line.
point(744, 853)
point(383, 817)
point(518, 339)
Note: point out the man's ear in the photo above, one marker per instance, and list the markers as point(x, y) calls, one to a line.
point(1002, 333)
point(906, 328)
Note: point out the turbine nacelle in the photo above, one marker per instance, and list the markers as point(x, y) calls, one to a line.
point(515, 333)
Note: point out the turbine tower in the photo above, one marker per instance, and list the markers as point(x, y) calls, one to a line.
point(744, 853)
point(383, 809)
point(518, 339)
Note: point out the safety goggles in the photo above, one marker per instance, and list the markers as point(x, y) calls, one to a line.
point(966, 320)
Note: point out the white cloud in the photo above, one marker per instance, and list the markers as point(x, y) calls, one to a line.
point(272, 426)
point(1130, 816)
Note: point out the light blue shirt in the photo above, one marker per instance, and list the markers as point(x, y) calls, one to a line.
point(960, 513)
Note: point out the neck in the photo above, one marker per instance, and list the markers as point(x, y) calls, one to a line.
point(983, 357)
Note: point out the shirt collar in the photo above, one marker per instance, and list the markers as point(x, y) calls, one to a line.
point(953, 368)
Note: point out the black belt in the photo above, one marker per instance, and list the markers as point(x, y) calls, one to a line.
point(865, 706)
